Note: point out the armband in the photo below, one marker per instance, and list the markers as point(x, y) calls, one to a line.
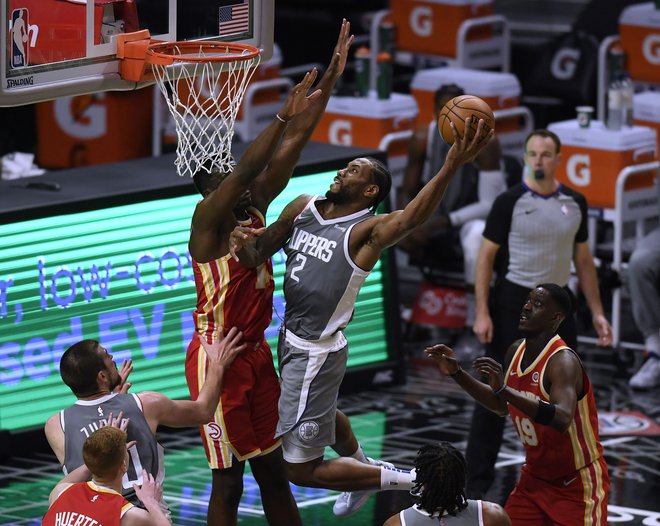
point(545, 414)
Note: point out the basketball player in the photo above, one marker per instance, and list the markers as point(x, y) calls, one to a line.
point(440, 486)
point(548, 395)
point(229, 294)
point(339, 239)
point(88, 370)
point(77, 500)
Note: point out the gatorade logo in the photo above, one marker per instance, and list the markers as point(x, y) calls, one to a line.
point(564, 63)
point(578, 171)
point(651, 49)
point(83, 117)
point(421, 21)
point(340, 132)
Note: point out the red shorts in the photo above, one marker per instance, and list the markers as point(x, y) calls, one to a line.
point(578, 499)
point(245, 420)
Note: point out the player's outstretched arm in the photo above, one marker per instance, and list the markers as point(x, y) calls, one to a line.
point(276, 176)
point(449, 366)
point(159, 409)
point(254, 246)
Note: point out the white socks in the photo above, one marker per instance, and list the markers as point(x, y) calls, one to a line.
point(399, 479)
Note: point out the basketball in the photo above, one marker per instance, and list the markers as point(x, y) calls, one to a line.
point(460, 108)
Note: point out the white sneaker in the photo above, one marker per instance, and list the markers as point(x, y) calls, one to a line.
point(648, 375)
point(349, 502)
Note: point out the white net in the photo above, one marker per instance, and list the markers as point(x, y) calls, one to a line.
point(203, 98)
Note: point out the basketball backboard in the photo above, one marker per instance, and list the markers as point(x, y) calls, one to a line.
point(57, 48)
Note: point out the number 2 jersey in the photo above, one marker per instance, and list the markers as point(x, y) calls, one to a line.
point(551, 454)
point(231, 295)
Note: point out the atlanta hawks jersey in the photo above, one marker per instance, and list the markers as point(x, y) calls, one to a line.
point(88, 504)
point(321, 282)
point(551, 454)
point(82, 419)
point(231, 295)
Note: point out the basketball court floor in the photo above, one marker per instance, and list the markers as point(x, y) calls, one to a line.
point(392, 423)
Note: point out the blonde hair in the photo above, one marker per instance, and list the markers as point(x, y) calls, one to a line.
point(104, 451)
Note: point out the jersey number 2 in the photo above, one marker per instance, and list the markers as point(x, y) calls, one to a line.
point(302, 260)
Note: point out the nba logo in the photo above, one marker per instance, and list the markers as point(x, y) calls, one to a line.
point(19, 38)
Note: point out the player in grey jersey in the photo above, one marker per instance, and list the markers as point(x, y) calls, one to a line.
point(333, 244)
point(88, 370)
point(440, 486)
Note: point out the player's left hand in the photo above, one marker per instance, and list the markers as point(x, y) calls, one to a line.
point(224, 349)
point(344, 41)
point(465, 150)
point(119, 422)
point(444, 357)
point(492, 369)
point(240, 237)
point(124, 371)
point(603, 329)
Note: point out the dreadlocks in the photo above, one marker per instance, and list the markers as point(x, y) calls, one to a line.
point(440, 479)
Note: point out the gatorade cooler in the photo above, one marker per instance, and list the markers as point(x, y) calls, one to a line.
point(363, 121)
point(593, 157)
point(94, 129)
point(499, 90)
point(431, 26)
point(639, 29)
point(646, 111)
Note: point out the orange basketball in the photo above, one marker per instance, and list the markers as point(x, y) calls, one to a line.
point(460, 108)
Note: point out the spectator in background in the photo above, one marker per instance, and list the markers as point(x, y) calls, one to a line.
point(453, 234)
point(440, 487)
point(542, 226)
point(644, 284)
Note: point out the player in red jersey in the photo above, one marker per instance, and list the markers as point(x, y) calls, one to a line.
point(230, 295)
point(76, 500)
point(548, 394)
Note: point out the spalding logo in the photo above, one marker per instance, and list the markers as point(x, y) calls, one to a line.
point(578, 169)
point(651, 49)
point(564, 63)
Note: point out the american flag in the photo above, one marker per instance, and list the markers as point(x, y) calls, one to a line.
point(234, 19)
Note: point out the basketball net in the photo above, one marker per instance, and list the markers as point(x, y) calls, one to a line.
point(203, 94)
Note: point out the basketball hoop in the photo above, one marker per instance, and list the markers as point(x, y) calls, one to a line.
point(203, 83)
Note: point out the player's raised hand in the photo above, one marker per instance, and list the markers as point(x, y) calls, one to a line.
point(338, 62)
point(492, 369)
point(119, 422)
point(444, 357)
point(124, 371)
point(151, 492)
point(298, 99)
point(240, 237)
point(224, 350)
point(465, 149)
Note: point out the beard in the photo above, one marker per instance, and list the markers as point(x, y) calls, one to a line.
point(339, 198)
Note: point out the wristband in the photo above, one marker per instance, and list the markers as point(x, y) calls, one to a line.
point(499, 391)
point(280, 118)
point(456, 373)
point(545, 413)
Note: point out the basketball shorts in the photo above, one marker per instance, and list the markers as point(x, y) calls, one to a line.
point(309, 381)
point(244, 422)
point(575, 500)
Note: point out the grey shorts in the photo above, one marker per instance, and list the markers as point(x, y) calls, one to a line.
point(309, 384)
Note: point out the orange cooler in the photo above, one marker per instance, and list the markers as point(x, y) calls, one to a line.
point(639, 29)
point(499, 90)
point(363, 121)
point(593, 157)
point(431, 26)
point(646, 111)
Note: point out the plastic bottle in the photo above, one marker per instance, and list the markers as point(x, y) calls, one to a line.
point(386, 37)
point(384, 75)
point(362, 59)
point(627, 93)
point(615, 91)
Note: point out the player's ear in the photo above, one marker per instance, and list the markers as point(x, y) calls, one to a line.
point(371, 191)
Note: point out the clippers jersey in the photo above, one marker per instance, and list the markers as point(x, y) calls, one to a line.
point(551, 454)
point(82, 419)
point(231, 295)
point(88, 504)
point(321, 282)
point(473, 515)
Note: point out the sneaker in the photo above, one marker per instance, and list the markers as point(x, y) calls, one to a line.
point(349, 502)
point(648, 375)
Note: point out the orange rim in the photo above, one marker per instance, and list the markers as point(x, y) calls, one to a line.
point(165, 53)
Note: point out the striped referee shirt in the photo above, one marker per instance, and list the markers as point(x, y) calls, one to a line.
point(539, 232)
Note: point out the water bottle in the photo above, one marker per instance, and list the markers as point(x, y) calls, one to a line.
point(362, 60)
point(615, 90)
point(627, 93)
point(386, 37)
point(385, 72)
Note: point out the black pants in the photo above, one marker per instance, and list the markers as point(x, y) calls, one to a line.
point(487, 428)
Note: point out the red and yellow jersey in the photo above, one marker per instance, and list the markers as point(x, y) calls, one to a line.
point(231, 295)
point(87, 503)
point(551, 454)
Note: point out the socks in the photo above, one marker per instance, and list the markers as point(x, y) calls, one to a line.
point(396, 479)
point(652, 343)
point(360, 456)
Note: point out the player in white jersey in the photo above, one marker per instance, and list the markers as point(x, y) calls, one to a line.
point(335, 234)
